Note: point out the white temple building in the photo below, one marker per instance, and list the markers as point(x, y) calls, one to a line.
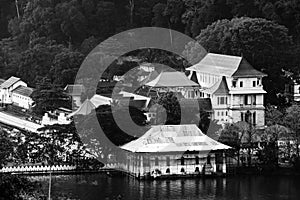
point(170, 150)
point(234, 86)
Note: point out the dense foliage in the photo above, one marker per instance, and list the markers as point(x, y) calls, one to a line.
point(49, 38)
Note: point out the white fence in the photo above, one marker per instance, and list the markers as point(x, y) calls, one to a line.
point(37, 168)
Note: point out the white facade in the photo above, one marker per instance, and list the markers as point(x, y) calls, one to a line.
point(234, 86)
point(15, 91)
point(22, 101)
point(292, 91)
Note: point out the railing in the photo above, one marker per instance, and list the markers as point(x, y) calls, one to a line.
point(38, 168)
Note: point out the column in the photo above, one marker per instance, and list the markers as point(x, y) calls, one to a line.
point(141, 166)
point(224, 163)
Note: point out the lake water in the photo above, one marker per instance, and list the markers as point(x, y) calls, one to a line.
point(100, 186)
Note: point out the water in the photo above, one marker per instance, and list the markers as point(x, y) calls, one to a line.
point(100, 186)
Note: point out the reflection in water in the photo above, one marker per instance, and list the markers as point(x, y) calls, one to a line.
point(92, 187)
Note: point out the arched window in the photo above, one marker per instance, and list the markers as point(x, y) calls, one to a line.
point(197, 169)
point(208, 159)
point(156, 161)
point(168, 171)
point(197, 160)
point(182, 160)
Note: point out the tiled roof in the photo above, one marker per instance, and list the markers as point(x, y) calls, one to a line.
point(74, 89)
point(174, 138)
point(151, 77)
point(246, 70)
point(1, 81)
point(225, 65)
point(24, 91)
point(219, 87)
point(9, 82)
point(171, 79)
point(86, 108)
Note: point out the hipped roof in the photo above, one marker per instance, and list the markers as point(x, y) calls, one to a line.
point(9, 82)
point(173, 138)
point(219, 88)
point(172, 79)
point(226, 65)
point(86, 108)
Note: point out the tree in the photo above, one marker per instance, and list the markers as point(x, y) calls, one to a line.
point(238, 135)
point(6, 148)
point(200, 13)
point(270, 152)
point(231, 135)
point(159, 19)
point(37, 61)
point(56, 143)
point(65, 67)
point(263, 43)
point(273, 116)
point(292, 121)
point(17, 187)
point(171, 106)
point(48, 97)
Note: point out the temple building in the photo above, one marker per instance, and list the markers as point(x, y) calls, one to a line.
point(176, 82)
point(174, 150)
point(234, 86)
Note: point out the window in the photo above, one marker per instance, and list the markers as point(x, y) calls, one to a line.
point(222, 100)
point(182, 160)
point(156, 161)
point(249, 100)
point(234, 83)
point(197, 160)
point(254, 83)
point(254, 117)
point(241, 84)
point(168, 161)
point(208, 159)
point(242, 116)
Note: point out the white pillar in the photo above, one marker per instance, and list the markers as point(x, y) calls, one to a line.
point(224, 164)
point(141, 166)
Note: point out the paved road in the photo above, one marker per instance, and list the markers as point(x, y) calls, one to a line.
point(19, 123)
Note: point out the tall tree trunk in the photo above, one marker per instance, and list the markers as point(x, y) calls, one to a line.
point(17, 8)
point(131, 5)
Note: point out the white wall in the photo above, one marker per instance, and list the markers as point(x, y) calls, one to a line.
point(21, 101)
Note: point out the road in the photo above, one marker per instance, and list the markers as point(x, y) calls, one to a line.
point(19, 123)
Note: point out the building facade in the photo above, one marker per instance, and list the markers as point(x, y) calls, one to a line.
point(292, 90)
point(176, 82)
point(234, 86)
point(14, 91)
point(171, 150)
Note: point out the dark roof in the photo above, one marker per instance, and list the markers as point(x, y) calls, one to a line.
point(202, 103)
point(22, 90)
point(9, 82)
point(74, 89)
point(246, 70)
point(194, 77)
point(219, 87)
